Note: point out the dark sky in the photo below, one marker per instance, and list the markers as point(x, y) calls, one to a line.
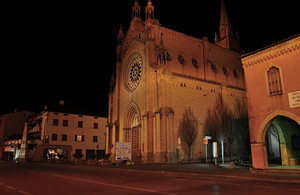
point(58, 50)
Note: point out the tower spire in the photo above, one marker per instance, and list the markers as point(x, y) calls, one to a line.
point(225, 25)
point(149, 10)
point(136, 10)
point(226, 40)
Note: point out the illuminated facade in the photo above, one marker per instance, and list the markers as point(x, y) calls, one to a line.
point(273, 94)
point(56, 136)
point(159, 73)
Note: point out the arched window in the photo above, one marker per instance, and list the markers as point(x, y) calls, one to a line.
point(274, 81)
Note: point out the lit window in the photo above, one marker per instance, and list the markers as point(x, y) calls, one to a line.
point(79, 138)
point(274, 81)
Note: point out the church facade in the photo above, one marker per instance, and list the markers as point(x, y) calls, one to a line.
point(160, 73)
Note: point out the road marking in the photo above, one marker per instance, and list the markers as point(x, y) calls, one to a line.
point(113, 185)
point(268, 187)
point(23, 192)
point(10, 187)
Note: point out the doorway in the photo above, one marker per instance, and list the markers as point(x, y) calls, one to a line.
point(282, 139)
point(273, 146)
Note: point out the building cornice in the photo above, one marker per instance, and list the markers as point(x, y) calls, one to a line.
point(278, 49)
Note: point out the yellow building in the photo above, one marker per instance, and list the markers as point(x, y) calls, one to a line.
point(55, 136)
point(159, 73)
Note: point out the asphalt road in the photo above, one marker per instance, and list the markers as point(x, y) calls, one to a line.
point(39, 179)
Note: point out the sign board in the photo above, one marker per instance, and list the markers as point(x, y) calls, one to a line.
point(294, 99)
point(208, 137)
point(123, 150)
point(215, 149)
point(179, 143)
point(205, 141)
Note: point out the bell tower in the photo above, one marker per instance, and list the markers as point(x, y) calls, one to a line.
point(227, 38)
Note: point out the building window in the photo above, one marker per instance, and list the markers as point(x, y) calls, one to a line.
point(64, 137)
point(181, 59)
point(214, 68)
point(95, 125)
point(235, 74)
point(95, 138)
point(55, 122)
point(79, 138)
point(54, 137)
point(195, 63)
point(65, 123)
point(274, 81)
point(225, 72)
point(80, 124)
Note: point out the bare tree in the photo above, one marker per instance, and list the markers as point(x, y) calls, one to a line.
point(219, 123)
point(188, 131)
point(241, 126)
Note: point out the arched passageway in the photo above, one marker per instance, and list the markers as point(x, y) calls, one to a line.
point(282, 142)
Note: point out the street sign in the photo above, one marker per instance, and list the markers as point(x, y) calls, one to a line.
point(179, 143)
point(205, 141)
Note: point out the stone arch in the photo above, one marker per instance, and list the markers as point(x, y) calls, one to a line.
point(132, 116)
point(266, 123)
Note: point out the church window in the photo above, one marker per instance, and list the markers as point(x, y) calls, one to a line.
point(225, 71)
point(181, 59)
point(195, 63)
point(235, 74)
point(133, 72)
point(274, 81)
point(214, 68)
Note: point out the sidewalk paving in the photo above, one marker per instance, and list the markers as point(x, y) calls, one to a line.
point(277, 175)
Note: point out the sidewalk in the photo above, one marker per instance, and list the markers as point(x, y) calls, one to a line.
point(277, 175)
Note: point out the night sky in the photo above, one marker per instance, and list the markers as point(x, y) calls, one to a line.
point(56, 50)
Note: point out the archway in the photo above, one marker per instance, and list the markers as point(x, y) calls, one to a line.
point(282, 141)
point(132, 131)
point(272, 140)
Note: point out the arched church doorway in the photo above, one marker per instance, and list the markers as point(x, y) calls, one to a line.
point(282, 140)
point(132, 131)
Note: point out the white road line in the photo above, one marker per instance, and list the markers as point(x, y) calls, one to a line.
point(113, 185)
point(10, 187)
point(267, 187)
point(23, 192)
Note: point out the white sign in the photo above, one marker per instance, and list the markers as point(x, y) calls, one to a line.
point(215, 149)
point(123, 150)
point(294, 99)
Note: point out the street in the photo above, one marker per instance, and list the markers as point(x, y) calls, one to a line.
point(34, 178)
